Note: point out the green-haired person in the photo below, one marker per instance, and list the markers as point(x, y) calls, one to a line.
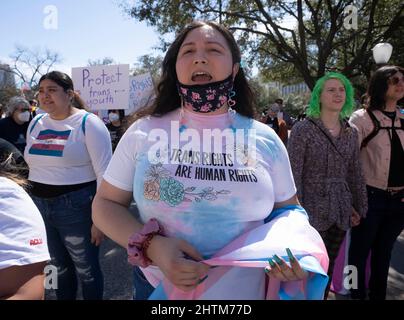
point(324, 156)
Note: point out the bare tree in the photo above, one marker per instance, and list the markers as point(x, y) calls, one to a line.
point(30, 64)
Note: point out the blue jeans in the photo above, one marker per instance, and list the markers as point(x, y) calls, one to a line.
point(68, 226)
point(142, 289)
point(376, 233)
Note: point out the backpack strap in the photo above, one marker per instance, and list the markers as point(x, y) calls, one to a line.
point(346, 122)
point(375, 131)
point(83, 122)
point(36, 121)
point(377, 127)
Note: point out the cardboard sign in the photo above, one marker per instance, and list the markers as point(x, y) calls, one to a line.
point(141, 92)
point(103, 87)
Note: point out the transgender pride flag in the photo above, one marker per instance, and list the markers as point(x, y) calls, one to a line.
point(50, 143)
point(288, 227)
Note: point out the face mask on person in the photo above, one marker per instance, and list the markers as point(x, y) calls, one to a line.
point(24, 116)
point(113, 117)
point(207, 97)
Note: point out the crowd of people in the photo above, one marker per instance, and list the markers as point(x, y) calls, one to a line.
point(195, 163)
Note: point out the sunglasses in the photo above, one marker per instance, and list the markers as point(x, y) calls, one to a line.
point(395, 80)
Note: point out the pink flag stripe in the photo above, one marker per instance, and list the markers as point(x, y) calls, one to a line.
point(52, 136)
point(44, 146)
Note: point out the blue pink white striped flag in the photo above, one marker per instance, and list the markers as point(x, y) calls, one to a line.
point(50, 143)
point(287, 227)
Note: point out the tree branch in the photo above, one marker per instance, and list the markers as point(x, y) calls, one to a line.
point(360, 53)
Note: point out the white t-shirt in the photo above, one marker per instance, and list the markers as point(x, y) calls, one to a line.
point(22, 230)
point(206, 197)
point(58, 152)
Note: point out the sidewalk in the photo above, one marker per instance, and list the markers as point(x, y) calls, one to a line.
point(118, 273)
point(395, 288)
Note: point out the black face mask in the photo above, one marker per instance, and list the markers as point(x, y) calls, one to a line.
point(207, 97)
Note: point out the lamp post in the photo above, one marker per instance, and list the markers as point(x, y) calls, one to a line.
point(382, 53)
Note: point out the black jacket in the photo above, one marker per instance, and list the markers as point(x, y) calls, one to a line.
point(14, 132)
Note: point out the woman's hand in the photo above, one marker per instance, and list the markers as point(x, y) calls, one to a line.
point(170, 255)
point(355, 218)
point(96, 235)
point(279, 269)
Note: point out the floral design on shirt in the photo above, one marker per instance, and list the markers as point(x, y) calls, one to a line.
point(159, 186)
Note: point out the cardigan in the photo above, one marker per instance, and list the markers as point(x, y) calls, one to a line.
point(329, 182)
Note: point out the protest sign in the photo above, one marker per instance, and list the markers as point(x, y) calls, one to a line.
point(104, 86)
point(141, 92)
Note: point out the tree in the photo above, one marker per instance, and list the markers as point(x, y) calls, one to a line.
point(264, 94)
point(296, 104)
point(30, 64)
point(105, 61)
point(148, 63)
point(7, 92)
point(383, 31)
point(324, 37)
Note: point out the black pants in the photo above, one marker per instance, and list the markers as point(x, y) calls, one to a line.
point(142, 289)
point(376, 233)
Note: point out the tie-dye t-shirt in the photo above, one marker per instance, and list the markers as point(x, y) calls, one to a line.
point(207, 195)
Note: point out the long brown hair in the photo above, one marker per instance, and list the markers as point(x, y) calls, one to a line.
point(168, 98)
point(378, 86)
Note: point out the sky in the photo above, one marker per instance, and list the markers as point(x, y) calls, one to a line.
point(78, 30)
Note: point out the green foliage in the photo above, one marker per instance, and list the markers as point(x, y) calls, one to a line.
point(105, 61)
point(7, 92)
point(283, 72)
point(295, 104)
point(355, 46)
point(315, 41)
point(148, 63)
point(264, 94)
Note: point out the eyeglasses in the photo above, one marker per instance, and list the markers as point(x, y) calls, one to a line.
point(395, 80)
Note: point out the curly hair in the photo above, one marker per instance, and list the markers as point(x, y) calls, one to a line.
point(314, 108)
